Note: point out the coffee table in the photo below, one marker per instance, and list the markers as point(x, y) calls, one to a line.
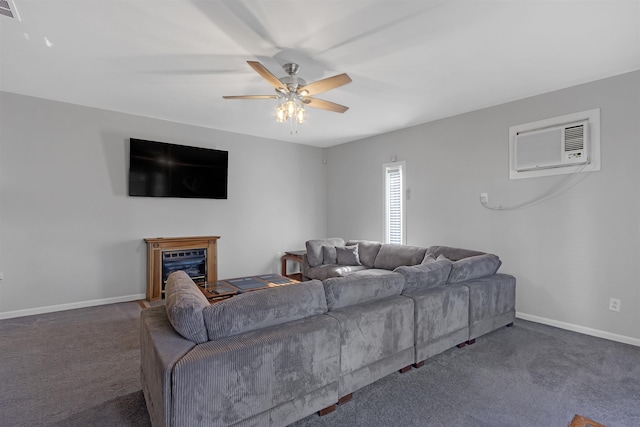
point(229, 287)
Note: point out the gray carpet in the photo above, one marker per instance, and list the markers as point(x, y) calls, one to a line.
point(72, 368)
point(81, 368)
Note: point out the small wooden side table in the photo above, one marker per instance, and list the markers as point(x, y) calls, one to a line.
point(297, 256)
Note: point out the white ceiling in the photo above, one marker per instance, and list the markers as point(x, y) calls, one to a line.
point(411, 61)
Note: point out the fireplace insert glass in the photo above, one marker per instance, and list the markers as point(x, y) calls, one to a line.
point(191, 261)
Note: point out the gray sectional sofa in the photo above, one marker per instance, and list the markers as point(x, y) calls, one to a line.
point(271, 357)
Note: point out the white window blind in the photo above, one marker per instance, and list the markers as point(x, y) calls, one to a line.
point(394, 203)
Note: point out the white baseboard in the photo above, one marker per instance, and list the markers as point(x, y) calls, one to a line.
point(70, 306)
point(580, 329)
point(83, 304)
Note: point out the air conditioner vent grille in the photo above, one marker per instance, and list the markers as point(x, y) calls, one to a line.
point(574, 138)
point(5, 9)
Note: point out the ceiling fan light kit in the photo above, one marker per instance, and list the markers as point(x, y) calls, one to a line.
point(294, 93)
point(289, 109)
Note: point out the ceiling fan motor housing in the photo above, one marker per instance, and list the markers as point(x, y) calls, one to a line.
point(291, 68)
point(292, 81)
point(296, 90)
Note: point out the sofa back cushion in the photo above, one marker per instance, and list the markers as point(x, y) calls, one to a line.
point(315, 255)
point(391, 257)
point(474, 267)
point(268, 307)
point(454, 254)
point(360, 288)
point(184, 304)
point(367, 251)
point(426, 275)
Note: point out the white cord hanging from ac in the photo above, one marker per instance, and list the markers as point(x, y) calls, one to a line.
point(550, 194)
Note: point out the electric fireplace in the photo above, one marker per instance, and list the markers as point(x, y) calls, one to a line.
point(197, 256)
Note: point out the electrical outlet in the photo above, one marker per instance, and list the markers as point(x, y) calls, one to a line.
point(614, 304)
point(484, 198)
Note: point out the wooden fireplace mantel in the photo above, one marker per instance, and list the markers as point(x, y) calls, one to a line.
point(155, 247)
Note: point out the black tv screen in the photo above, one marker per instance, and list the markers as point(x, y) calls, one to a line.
point(158, 169)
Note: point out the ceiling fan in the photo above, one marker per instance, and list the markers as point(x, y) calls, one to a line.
point(295, 93)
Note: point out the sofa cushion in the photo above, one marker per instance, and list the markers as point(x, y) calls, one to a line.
point(474, 267)
point(367, 250)
point(329, 255)
point(326, 271)
point(454, 254)
point(314, 249)
point(374, 341)
point(268, 377)
point(392, 256)
point(184, 304)
point(268, 307)
point(427, 275)
point(369, 272)
point(356, 289)
point(348, 255)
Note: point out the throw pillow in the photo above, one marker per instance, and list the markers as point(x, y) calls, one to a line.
point(367, 250)
point(329, 255)
point(348, 255)
point(314, 249)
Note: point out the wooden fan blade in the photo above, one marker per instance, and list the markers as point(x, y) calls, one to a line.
point(324, 85)
point(268, 76)
point(251, 97)
point(324, 105)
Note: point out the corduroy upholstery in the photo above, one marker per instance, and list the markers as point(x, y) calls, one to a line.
point(225, 381)
point(356, 289)
point(391, 257)
point(491, 303)
point(367, 250)
point(260, 369)
point(315, 255)
point(274, 356)
point(454, 254)
point(326, 271)
point(441, 318)
point(161, 347)
point(184, 303)
point(376, 338)
point(426, 275)
point(258, 310)
point(474, 267)
point(433, 267)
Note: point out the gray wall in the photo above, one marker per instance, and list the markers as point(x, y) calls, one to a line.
point(70, 234)
point(569, 254)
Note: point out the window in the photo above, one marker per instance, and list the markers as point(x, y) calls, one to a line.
point(394, 202)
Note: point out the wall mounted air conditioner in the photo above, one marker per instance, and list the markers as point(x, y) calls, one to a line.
point(553, 147)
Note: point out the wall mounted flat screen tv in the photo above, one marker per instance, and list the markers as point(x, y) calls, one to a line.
point(159, 169)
